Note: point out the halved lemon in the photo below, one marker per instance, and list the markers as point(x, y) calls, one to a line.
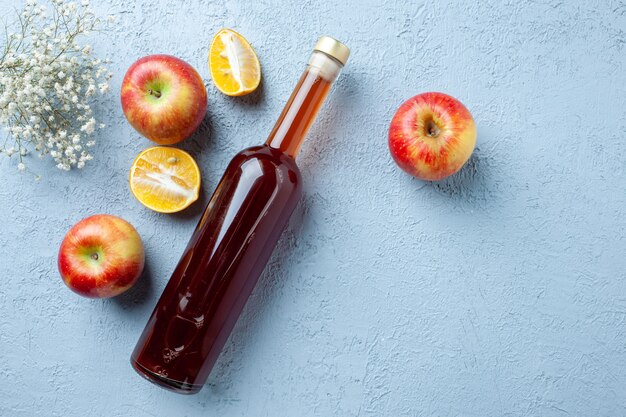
point(234, 66)
point(165, 179)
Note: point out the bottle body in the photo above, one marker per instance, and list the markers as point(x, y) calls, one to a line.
point(218, 270)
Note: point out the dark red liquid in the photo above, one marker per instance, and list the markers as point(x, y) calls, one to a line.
point(218, 270)
point(229, 249)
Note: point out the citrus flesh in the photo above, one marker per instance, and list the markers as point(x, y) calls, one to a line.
point(165, 179)
point(234, 66)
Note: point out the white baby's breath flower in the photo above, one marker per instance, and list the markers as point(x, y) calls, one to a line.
point(91, 89)
point(89, 127)
point(21, 166)
point(46, 81)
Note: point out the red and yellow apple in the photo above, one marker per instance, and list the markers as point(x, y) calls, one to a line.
point(101, 256)
point(163, 98)
point(431, 136)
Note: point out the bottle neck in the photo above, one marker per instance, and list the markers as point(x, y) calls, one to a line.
point(304, 104)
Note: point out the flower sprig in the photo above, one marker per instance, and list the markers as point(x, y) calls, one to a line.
point(48, 82)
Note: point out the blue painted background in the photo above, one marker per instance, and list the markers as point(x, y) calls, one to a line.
point(498, 292)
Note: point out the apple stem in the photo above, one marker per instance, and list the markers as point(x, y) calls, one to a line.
point(432, 129)
point(94, 256)
point(155, 93)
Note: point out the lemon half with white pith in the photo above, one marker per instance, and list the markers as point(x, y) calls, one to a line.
point(165, 179)
point(234, 66)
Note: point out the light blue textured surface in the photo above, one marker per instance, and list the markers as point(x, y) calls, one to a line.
point(498, 292)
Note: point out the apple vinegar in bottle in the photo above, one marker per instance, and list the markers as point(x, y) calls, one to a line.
point(233, 240)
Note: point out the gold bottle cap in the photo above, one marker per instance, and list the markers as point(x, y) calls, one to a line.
point(334, 48)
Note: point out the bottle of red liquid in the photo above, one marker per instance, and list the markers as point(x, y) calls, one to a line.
point(233, 240)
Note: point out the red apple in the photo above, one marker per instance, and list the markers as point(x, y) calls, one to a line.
point(101, 256)
point(431, 136)
point(163, 98)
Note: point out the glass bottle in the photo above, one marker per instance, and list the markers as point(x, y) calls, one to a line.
point(233, 240)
